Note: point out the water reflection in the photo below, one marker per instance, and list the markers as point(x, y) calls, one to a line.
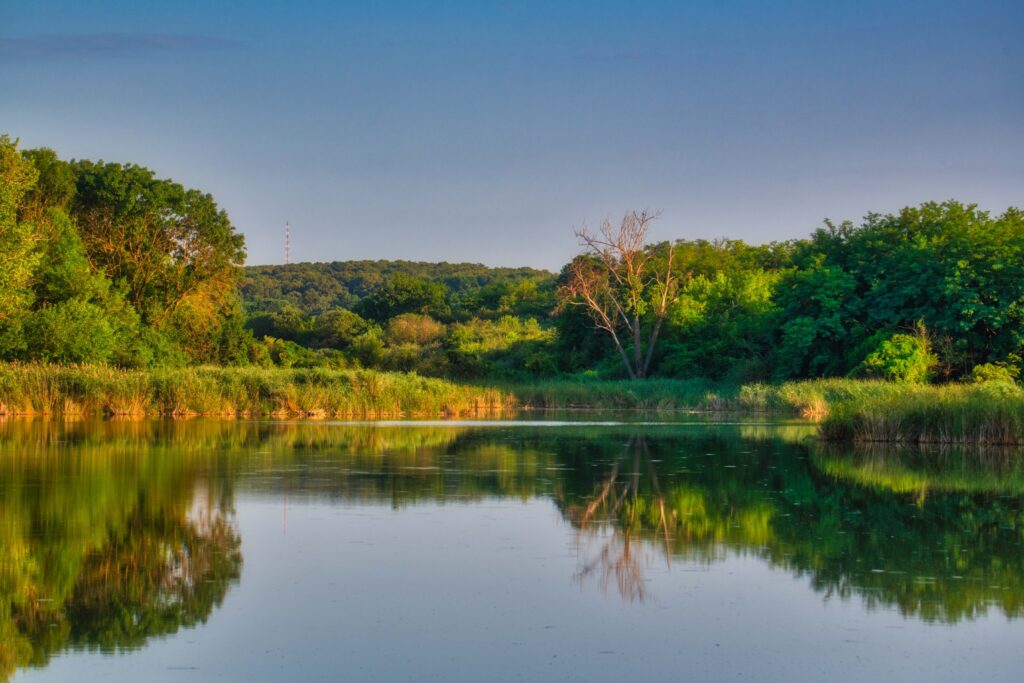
point(114, 533)
point(103, 549)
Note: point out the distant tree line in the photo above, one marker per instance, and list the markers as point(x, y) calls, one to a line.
point(103, 262)
point(315, 288)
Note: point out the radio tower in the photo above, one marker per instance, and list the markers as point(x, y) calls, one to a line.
point(287, 244)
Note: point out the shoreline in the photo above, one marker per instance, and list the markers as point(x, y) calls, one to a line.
point(846, 410)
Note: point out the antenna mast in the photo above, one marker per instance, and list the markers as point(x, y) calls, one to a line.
point(287, 244)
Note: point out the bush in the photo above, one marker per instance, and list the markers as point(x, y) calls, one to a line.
point(73, 331)
point(994, 373)
point(413, 328)
point(506, 346)
point(901, 358)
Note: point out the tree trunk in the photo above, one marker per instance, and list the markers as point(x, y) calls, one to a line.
point(650, 345)
point(638, 366)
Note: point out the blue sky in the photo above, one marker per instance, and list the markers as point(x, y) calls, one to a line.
point(483, 131)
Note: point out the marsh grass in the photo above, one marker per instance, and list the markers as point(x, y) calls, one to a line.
point(974, 415)
point(846, 410)
point(594, 394)
point(810, 399)
point(40, 389)
point(990, 414)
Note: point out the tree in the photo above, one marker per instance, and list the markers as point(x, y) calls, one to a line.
point(173, 251)
point(817, 323)
point(337, 328)
point(625, 290)
point(722, 326)
point(55, 187)
point(18, 241)
point(405, 294)
point(951, 266)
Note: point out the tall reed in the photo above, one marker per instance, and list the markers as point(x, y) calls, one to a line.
point(976, 415)
point(41, 389)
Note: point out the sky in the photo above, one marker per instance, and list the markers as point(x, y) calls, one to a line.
point(487, 131)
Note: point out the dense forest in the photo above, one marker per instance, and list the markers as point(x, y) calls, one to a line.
point(107, 263)
point(315, 288)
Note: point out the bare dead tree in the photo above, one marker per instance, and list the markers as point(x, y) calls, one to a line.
point(623, 288)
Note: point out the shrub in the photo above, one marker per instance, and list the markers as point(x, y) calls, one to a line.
point(901, 358)
point(72, 331)
point(995, 373)
point(413, 328)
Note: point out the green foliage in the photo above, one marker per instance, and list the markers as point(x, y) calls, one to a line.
point(337, 329)
point(414, 328)
point(814, 307)
point(285, 353)
point(413, 344)
point(721, 327)
point(901, 358)
point(92, 252)
point(18, 238)
point(173, 251)
point(55, 187)
point(404, 294)
point(35, 388)
point(72, 331)
point(533, 297)
point(104, 262)
point(507, 346)
point(954, 268)
point(288, 323)
point(819, 307)
point(995, 373)
point(368, 348)
point(472, 289)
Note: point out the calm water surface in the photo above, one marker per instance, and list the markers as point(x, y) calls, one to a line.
point(223, 551)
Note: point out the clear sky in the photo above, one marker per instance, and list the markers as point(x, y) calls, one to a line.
point(485, 131)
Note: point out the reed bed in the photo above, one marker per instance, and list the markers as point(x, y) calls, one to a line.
point(41, 389)
point(810, 399)
point(847, 410)
point(973, 415)
point(595, 394)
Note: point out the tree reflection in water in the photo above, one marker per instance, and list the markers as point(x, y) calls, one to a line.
point(104, 549)
point(112, 534)
point(938, 537)
point(614, 508)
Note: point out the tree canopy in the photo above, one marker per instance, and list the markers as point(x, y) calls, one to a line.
point(104, 262)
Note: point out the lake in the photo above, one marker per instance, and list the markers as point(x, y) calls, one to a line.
point(466, 551)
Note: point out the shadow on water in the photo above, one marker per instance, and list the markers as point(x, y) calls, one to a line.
point(114, 533)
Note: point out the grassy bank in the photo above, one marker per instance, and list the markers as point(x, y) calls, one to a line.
point(810, 399)
point(38, 389)
point(848, 410)
point(974, 415)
